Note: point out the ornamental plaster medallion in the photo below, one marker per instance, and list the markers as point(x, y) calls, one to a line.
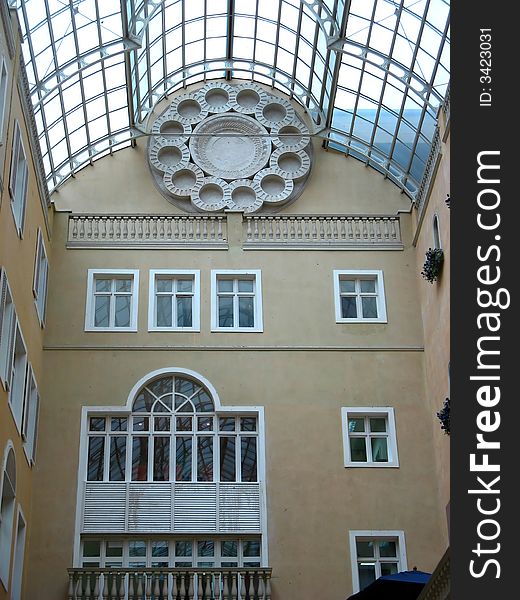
point(226, 146)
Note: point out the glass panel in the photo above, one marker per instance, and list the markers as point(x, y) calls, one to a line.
point(164, 285)
point(184, 285)
point(118, 424)
point(348, 307)
point(347, 285)
point(202, 402)
point(164, 311)
point(225, 285)
point(247, 424)
point(91, 548)
point(225, 311)
point(184, 312)
point(140, 423)
point(248, 469)
point(388, 568)
point(160, 549)
point(368, 285)
point(122, 316)
point(183, 459)
point(139, 458)
point(246, 315)
point(161, 424)
point(378, 424)
point(227, 458)
point(387, 549)
point(364, 549)
point(123, 285)
point(183, 549)
point(136, 548)
point(358, 451)
point(103, 285)
point(205, 459)
point(369, 306)
point(229, 548)
point(226, 424)
point(101, 310)
point(206, 548)
point(184, 423)
point(205, 423)
point(251, 564)
point(356, 424)
point(245, 285)
point(96, 456)
point(97, 424)
point(251, 548)
point(114, 548)
point(379, 449)
point(117, 458)
point(367, 574)
point(161, 459)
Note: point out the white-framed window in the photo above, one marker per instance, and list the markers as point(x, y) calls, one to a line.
point(359, 296)
point(374, 554)
point(18, 180)
point(236, 300)
point(7, 506)
point(30, 416)
point(174, 300)
point(7, 330)
point(369, 438)
point(112, 300)
point(18, 556)
point(179, 552)
point(3, 95)
point(18, 375)
point(41, 273)
point(436, 232)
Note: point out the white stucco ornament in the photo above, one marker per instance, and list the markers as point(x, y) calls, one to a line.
point(226, 146)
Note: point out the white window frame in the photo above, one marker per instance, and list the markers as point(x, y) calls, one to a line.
point(18, 180)
point(30, 416)
point(7, 524)
point(256, 276)
point(7, 330)
point(362, 535)
point(436, 232)
point(4, 84)
point(377, 276)
point(173, 274)
point(370, 411)
point(19, 546)
point(112, 274)
point(16, 395)
point(41, 274)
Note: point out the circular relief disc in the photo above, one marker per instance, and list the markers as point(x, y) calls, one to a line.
point(173, 131)
point(291, 137)
point(188, 109)
point(212, 194)
point(291, 165)
point(216, 97)
point(246, 97)
point(272, 186)
point(164, 156)
point(230, 146)
point(274, 112)
point(182, 182)
point(244, 196)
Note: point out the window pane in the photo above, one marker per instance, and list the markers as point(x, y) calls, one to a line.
point(137, 548)
point(247, 424)
point(184, 423)
point(368, 285)
point(140, 424)
point(358, 451)
point(160, 549)
point(369, 305)
point(184, 285)
point(365, 549)
point(246, 316)
point(225, 311)
point(161, 423)
point(97, 424)
point(183, 459)
point(96, 456)
point(230, 548)
point(347, 285)
point(164, 285)
point(184, 312)
point(114, 549)
point(379, 450)
point(225, 285)
point(227, 459)
point(123, 285)
point(378, 425)
point(161, 459)
point(183, 549)
point(205, 459)
point(245, 285)
point(139, 458)
point(226, 424)
point(205, 423)
point(118, 424)
point(388, 568)
point(103, 285)
point(122, 317)
point(117, 458)
point(387, 549)
point(356, 424)
point(164, 311)
point(101, 308)
point(248, 459)
point(252, 548)
point(91, 548)
point(206, 548)
point(348, 307)
point(367, 574)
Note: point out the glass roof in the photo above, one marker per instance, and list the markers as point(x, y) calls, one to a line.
point(370, 73)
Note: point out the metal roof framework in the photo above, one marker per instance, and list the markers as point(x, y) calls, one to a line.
point(371, 74)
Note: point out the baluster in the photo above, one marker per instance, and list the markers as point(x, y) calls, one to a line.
point(121, 593)
point(207, 587)
point(190, 587)
point(73, 228)
point(261, 587)
point(183, 228)
point(268, 587)
point(183, 586)
point(243, 591)
point(96, 587)
point(234, 591)
point(200, 585)
point(88, 588)
point(307, 228)
point(216, 586)
point(395, 225)
point(175, 587)
point(165, 592)
point(356, 228)
point(364, 229)
point(78, 591)
point(248, 229)
point(140, 590)
point(148, 586)
point(225, 591)
point(256, 232)
point(70, 593)
point(156, 588)
point(285, 229)
point(131, 586)
point(105, 586)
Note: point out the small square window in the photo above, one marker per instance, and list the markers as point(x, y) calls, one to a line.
point(112, 300)
point(174, 302)
point(369, 438)
point(374, 554)
point(359, 297)
point(236, 301)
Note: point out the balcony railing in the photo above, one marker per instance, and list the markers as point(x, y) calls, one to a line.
point(169, 584)
point(147, 231)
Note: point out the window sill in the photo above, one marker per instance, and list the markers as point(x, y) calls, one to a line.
point(362, 321)
point(175, 329)
point(237, 330)
point(111, 329)
point(362, 465)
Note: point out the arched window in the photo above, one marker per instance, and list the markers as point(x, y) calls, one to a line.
point(173, 433)
point(7, 504)
point(436, 233)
